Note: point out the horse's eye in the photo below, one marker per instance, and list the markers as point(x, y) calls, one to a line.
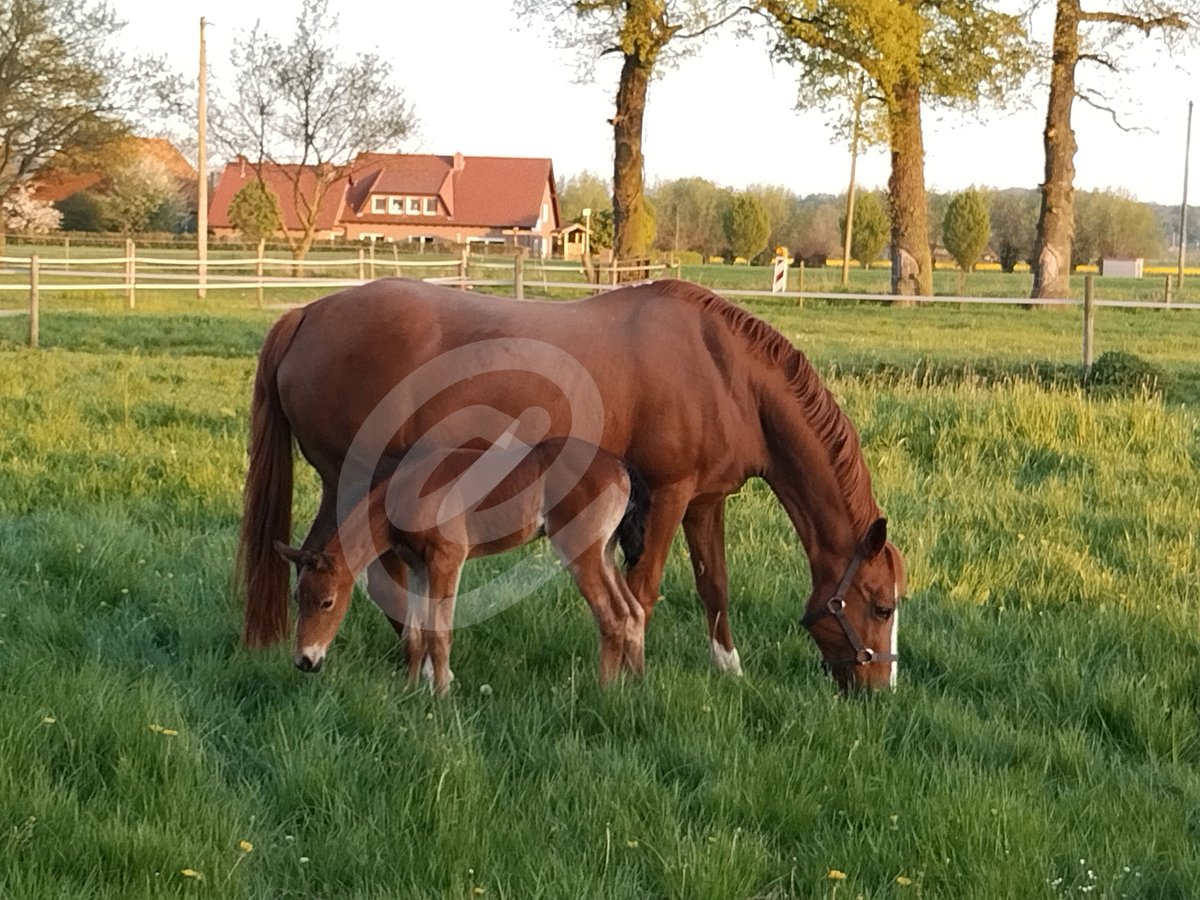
point(327, 603)
point(884, 612)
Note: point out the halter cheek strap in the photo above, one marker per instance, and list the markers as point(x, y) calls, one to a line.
point(836, 606)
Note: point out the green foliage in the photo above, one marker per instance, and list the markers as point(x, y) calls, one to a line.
point(581, 191)
point(602, 229)
point(966, 228)
point(1014, 215)
point(1117, 372)
point(746, 225)
point(688, 215)
point(255, 211)
point(872, 228)
point(1114, 224)
point(134, 193)
point(81, 212)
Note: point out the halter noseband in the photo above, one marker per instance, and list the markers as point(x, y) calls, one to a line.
point(836, 606)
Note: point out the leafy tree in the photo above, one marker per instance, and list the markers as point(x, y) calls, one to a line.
point(602, 229)
point(1094, 36)
point(1014, 215)
point(63, 89)
point(28, 215)
point(585, 190)
point(134, 193)
point(81, 212)
point(908, 51)
point(648, 35)
point(1114, 224)
point(746, 225)
point(966, 228)
point(689, 215)
point(255, 211)
point(782, 206)
point(818, 229)
point(871, 228)
point(304, 113)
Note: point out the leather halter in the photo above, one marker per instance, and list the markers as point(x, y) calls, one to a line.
point(836, 606)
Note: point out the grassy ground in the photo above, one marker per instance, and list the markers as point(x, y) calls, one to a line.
point(1045, 741)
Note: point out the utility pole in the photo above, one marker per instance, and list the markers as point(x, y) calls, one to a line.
point(202, 165)
point(858, 100)
point(1187, 153)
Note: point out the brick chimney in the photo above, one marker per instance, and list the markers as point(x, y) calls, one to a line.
point(459, 162)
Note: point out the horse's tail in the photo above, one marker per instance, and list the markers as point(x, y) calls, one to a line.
point(631, 532)
point(267, 499)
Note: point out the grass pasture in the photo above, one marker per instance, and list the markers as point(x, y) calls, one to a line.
point(1045, 741)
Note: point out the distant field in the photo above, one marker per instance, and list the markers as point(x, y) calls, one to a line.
point(1045, 740)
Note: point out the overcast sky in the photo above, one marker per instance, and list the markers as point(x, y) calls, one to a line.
point(485, 83)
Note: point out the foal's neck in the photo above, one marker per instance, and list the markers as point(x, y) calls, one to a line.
point(363, 535)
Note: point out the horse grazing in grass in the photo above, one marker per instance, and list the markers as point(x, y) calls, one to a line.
point(440, 509)
point(695, 393)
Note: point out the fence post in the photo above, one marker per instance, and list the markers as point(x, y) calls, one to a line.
point(371, 255)
point(800, 287)
point(67, 253)
point(1089, 321)
point(519, 274)
point(613, 270)
point(462, 264)
point(34, 266)
point(362, 268)
point(1166, 288)
point(130, 274)
point(258, 268)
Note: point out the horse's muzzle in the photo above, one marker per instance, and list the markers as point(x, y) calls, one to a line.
point(305, 663)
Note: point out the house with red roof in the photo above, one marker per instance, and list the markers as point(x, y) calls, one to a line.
point(418, 198)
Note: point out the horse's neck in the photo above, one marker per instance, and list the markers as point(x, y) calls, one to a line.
point(363, 534)
point(802, 472)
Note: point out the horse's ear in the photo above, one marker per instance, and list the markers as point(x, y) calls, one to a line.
point(291, 554)
point(873, 543)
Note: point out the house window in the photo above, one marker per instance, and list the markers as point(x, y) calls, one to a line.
point(431, 206)
point(414, 206)
point(379, 204)
point(397, 206)
point(545, 214)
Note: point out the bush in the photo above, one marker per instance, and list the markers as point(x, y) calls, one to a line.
point(966, 228)
point(1120, 373)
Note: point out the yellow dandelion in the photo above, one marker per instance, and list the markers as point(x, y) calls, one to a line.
point(631, 844)
point(479, 892)
point(245, 846)
point(903, 881)
point(191, 873)
point(835, 875)
point(158, 729)
point(48, 720)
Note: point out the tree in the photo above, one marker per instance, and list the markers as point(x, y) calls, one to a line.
point(135, 192)
point(63, 90)
point(80, 212)
point(746, 225)
point(302, 113)
point(957, 54)
point(583, 191)
point(602, 229)
point(1084, 36)
point(1113, 224)
point(648, 34)
point(1014, 215)
point(25, 214)
point(688, 213)
point(966, 228)
point(871, 228)
point(255, 211)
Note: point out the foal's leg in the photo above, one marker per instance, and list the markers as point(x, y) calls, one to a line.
point(588, 571)
point(387, 586)
point(704, 528)
point(635, 621)
point(667, 506)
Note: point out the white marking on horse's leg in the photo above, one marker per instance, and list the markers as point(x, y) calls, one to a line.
point(427, 668)
point(727, 661)
point(895, 651)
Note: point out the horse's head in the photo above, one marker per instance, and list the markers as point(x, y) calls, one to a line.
point(855, 621)
point(323, 592)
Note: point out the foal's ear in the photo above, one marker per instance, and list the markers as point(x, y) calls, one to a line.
point(291, 554)
point(873, 543)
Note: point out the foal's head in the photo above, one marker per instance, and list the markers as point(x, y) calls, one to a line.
point(323, 590)
point(855, 622)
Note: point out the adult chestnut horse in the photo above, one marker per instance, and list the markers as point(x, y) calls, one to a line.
point(694, 392)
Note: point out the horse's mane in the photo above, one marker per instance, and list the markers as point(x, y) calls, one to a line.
point(830, 425)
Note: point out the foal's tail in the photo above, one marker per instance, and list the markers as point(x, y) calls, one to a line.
point(267, 499)
point(631, 532)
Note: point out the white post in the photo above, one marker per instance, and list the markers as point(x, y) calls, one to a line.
point(202, 167)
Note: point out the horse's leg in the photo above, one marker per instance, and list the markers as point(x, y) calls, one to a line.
point(387, 586)
point(609, 611)
point(635, 621)
point(667, 506)
point(416, 622)
point(704, 528)
point(324, 523)
point(444, 572)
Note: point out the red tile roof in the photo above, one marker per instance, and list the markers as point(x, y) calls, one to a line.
point(488, 191)
point(61, 178)
point(281, 179)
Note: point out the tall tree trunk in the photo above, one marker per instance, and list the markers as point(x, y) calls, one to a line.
point(628, 202)
point(912, 263)
point(1056, 224)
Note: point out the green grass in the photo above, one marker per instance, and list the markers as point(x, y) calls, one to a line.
point(1047, 726)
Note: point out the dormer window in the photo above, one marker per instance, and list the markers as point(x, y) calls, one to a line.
point(414, 206)
point(397, 206)
point(378, 204)
point(431, 206)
